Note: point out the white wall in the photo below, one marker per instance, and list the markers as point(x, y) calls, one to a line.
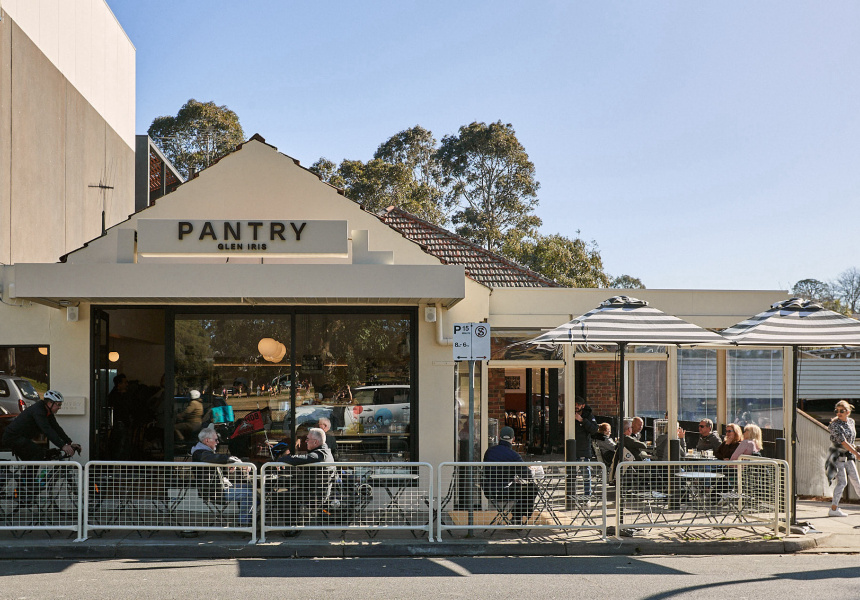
point(83, 39)
point(69, 344)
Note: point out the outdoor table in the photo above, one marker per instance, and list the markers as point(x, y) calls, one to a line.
point(394, 484)
point(547, 485)
point(695, 483)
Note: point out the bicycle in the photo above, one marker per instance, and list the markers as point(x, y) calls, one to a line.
point(40, 495)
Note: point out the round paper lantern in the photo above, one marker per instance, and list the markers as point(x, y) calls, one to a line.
point(279, 355)
point(113, 356)
point(267, 347)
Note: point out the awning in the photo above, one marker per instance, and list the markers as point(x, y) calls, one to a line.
point(152, 283)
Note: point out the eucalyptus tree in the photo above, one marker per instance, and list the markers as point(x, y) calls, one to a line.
point(489, 177)
point(199, 134)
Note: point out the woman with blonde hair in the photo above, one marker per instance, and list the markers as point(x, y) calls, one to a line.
point(843, 454)
point(730, 443)
point(751, 444)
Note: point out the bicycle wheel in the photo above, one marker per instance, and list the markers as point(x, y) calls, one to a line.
point(60, 501)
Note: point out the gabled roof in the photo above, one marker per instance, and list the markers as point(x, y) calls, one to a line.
point(482, 265)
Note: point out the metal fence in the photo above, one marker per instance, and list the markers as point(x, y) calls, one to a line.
point(462, 498)
point(178, 496)
point(346, 496)
point(40, 495)
point(747, 494)
point(483, 498)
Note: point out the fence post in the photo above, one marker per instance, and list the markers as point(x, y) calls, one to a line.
point(570, 472)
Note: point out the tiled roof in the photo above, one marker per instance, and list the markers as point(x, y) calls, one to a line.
point(481, 265)
point(155, 163)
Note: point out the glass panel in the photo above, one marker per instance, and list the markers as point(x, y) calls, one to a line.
point(24, 372)
point(220, 357)
point(355, 370)
point(697, 385)
point(755, 387)
point(649, 388)
point(461, 412)
point(510, 344)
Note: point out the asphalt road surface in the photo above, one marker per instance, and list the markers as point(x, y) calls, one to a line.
point(803, 577)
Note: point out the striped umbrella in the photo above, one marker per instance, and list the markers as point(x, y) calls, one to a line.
point(795, 322)
point(623, 320)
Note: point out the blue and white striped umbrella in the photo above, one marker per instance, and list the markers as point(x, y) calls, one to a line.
point(796, 322)
point(625, 320)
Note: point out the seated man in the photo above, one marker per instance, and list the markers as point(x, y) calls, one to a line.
point(212, 485)
point(325, 424)
point(510, 482)
point(638, 425)
point(708, 438)
point(311, 484)
point(636, 448)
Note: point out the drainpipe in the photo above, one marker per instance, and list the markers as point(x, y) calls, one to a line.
point(440, 339)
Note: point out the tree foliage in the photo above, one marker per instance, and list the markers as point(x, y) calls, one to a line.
point(481, 180)
point(627, 282)
point(570, 262)
point(199, 134)
point(847, 288)
point(820, 291)
point(490, 177)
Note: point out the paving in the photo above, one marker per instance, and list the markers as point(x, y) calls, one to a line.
point(816, 533)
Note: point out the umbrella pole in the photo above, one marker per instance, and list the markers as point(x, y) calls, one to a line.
point(794, 360)
point(621, 435)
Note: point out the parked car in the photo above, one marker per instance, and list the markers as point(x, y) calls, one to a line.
point(16, 394)
point(385, 407)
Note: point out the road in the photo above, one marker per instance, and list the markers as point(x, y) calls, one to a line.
point(807, 577)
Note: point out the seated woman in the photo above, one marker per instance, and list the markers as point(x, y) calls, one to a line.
point(604, 443)
point(751, 444)
point(730, 443)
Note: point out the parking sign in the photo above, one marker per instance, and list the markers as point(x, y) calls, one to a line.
point(471, 341)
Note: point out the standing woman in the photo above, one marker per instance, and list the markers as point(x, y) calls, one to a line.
point(841, 461)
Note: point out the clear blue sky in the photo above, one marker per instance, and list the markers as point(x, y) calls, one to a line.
point(699, 144)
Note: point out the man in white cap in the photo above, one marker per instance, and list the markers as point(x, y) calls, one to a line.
point(189, 420)
point(509, 482)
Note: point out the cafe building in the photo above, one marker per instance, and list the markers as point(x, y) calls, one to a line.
point(260, 298)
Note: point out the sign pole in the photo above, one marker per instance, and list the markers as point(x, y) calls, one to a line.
point(471, 482)
point(471, 343)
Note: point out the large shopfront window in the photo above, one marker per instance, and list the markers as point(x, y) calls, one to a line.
point(754, 387)
point(253, 372)
point(697, 385)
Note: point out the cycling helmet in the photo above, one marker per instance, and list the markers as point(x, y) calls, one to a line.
point(54, 396)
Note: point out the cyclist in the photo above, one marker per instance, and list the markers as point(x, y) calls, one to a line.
point(38, 418)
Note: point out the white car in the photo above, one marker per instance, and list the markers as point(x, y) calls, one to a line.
point(385, 407)
point(16, 393)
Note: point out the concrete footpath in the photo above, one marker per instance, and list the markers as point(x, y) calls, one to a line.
point(824, 535)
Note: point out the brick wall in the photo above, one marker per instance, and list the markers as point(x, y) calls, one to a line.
point(601, 379)
point(496, 395)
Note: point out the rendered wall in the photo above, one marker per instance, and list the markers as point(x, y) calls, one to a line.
point(69, 344)
point(54, 145)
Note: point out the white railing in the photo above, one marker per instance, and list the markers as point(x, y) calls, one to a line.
point(746, 494)
point(462, 498)
point(483, 498)
point(346, 496)
point(40, 495)
point(172, 496)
